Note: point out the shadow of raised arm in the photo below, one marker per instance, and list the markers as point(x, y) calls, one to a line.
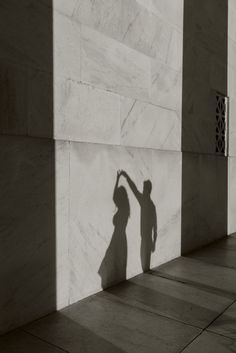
point(132, 186)
point(116, 184)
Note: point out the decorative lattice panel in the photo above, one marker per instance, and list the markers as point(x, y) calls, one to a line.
point(221, 124)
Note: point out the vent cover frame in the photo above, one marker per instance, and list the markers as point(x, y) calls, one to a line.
point(222, 121)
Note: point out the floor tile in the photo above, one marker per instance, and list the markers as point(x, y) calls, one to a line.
point(216, 256)
point(226, 323)
point(172, 299)
point(211, 343)
point(21, 342)
point(105, 325)
point(228, 242)
point(200, 274)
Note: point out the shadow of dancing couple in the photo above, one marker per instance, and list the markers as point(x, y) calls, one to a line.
point(114, 263)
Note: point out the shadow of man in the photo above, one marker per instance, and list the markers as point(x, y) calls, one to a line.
point(148, 220)
point(113, 267)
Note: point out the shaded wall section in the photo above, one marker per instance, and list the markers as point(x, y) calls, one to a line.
point(27, 158)
point(232, 117)
point(204, 173)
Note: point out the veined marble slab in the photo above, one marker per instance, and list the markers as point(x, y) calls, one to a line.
point(85, 113)
point(93, 170)
point(232, 5)
point(232, 110)
point(232, 77)
point(66, 47)
point(232, 127)
point(231, 20)
point(147, 125)
point(62, 194)
point(127, 22)
point(167, 179)
point(172, 11)
point(232, 82)
point(231, 195)
point(65, 7)
point(113, 66)
point(231, 53)
point(166, 86)
point(174, 56)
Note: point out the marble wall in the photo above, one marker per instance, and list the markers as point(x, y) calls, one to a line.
point(204, 71)
point(28, 237)
point(28, 177)
point(117, 105)
point(88, 88)
point(232, 117)
point(126, 58)
point(93, 210)
point(204, 173)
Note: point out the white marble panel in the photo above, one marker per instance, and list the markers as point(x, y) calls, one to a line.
point(85, 113)
point(231, 53)
point(67, 47)
point(231, 20)
point(113, 66)
point(62, 193)
point(172, 11)
point(92, 180)
point(231, 195)
point(175, 52)
point(232, 79)
point(65, 7)
point(147, 125)
point(127, 22)
point(232, 5)
point(232, 127)
point(145, 3)
point(232, 109)
point(231, 82)
point(167, 179)
point(166, 86)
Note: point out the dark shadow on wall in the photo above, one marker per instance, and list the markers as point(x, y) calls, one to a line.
point(148, 220)
point(27, 178)
point(204, 173)
point(114, 265)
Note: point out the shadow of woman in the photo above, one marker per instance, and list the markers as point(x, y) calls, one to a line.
point(113, 267)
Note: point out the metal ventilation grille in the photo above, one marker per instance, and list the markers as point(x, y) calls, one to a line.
point(221, 124)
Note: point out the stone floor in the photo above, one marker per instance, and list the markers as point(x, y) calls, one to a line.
point(187, 305)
